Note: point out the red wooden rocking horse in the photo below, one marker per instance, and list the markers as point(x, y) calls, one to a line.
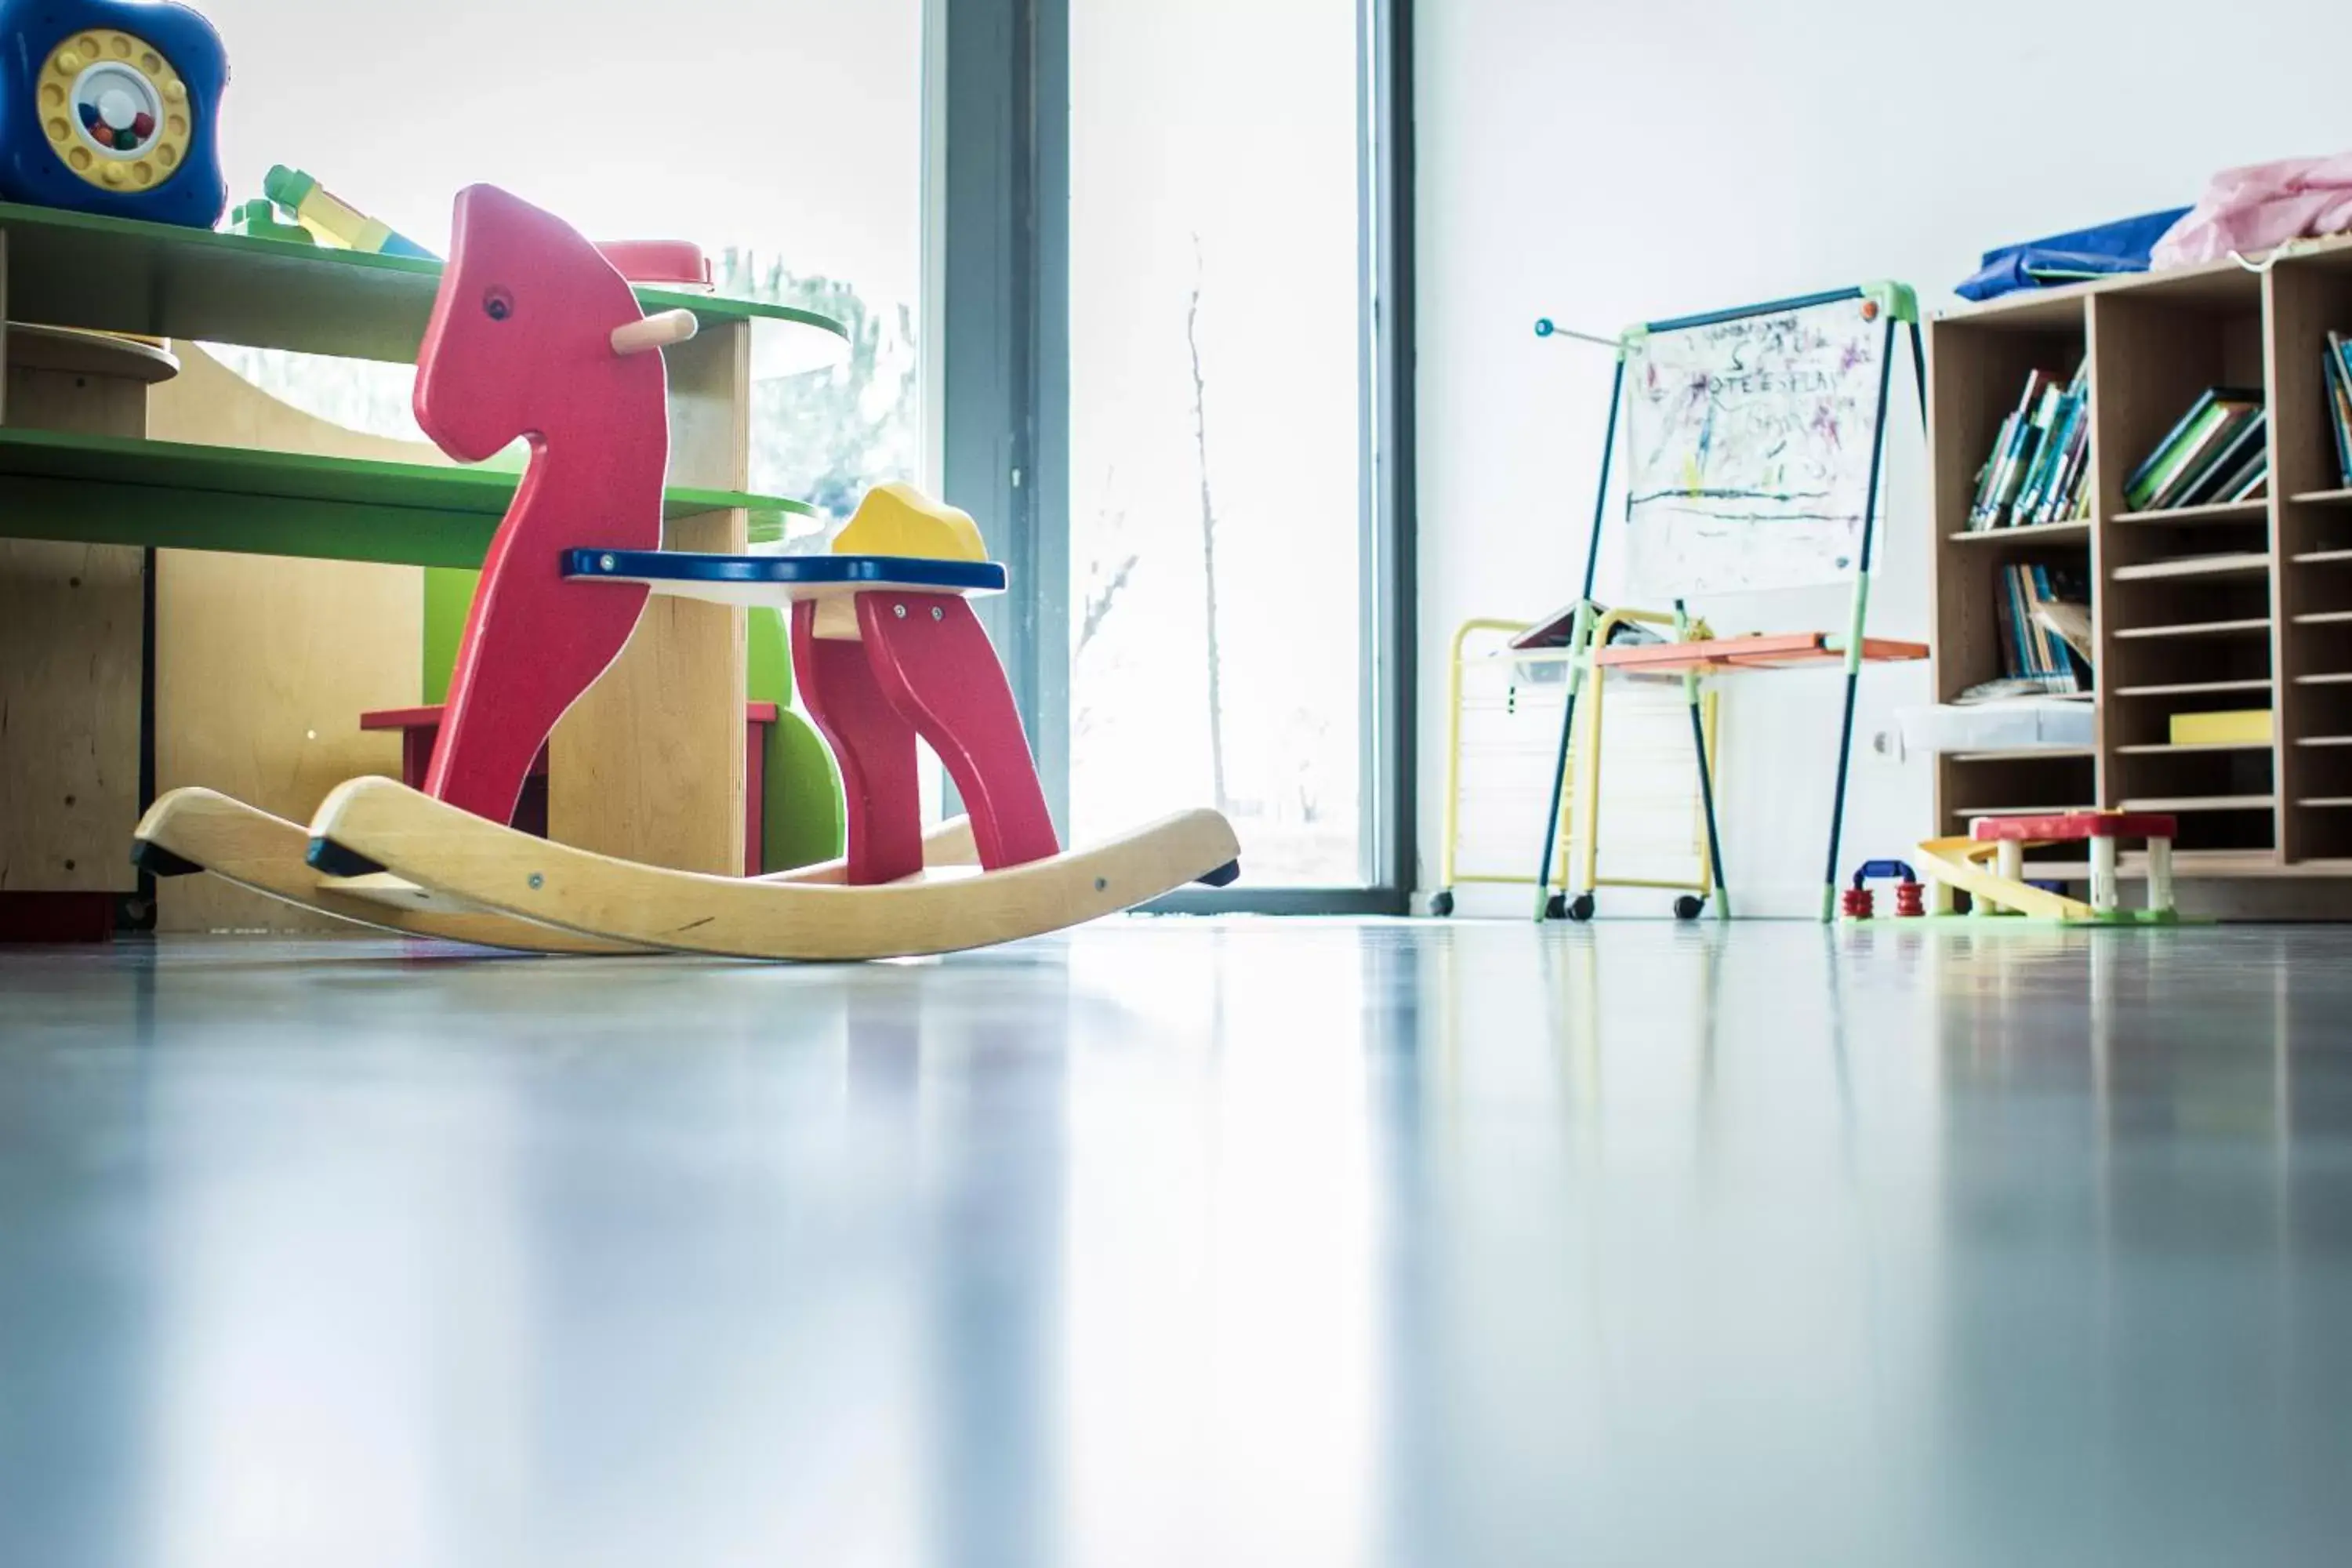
point(534, 336)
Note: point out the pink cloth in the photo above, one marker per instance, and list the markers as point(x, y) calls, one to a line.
point(2260, 206)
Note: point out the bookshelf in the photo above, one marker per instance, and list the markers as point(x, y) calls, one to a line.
point(2198, 609)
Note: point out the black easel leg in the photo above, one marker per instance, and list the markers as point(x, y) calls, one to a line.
point(1559, 791)
point(1837, 807)
point(1707, 800)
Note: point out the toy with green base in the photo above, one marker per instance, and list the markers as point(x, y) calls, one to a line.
point(1749, 480)
point(1959, 865)
point(1989, 866)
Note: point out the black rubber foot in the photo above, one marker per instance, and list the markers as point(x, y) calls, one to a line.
point(1687, 908)
point(158, 861)
point(1583, 908)
point(1225, 876)
point(1441, 905)
point(332, 860)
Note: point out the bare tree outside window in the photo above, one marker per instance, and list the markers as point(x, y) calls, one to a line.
point(1208, 540)
point(1217, 426)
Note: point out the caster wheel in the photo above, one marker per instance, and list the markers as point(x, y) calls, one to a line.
point(1582, 909)
point(1441, 905)
point(1556, 907)
point(1687, 908)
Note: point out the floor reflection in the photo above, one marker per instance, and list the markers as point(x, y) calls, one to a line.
point(1186, 1242)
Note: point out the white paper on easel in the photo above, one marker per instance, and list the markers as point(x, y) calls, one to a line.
point(1749, 447)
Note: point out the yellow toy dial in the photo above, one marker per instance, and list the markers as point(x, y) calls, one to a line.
point(115, 110)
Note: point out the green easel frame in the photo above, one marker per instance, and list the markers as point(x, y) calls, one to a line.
point(1898, 306)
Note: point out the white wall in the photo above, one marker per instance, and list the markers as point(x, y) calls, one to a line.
point(1609, 163)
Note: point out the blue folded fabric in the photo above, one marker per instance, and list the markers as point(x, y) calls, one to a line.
point(2119, 246)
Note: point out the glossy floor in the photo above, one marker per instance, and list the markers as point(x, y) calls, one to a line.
point(1185, 1243)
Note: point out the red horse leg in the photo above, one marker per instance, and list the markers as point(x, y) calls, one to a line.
point(932, 660)
point(533, 643)
point(875, 747)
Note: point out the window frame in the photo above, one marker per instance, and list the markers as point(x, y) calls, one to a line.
point(997, 203)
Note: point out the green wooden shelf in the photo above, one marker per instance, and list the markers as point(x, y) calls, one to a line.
point(108, 274)
point(111, 489)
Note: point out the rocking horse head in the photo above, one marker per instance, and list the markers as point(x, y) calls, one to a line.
point(521, 339)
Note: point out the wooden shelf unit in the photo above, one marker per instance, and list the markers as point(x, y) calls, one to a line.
point(2200, 609)
point(252, 572)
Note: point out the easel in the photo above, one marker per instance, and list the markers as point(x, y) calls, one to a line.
point(1892, 303)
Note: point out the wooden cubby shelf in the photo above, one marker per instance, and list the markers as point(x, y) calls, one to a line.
point(2194, 516)
point(2239, 563)
point(2199, 629)
point(2024, 754)
point(2037, 535)
point(2217, 609)
point(1969, 810)
point(2193, 688)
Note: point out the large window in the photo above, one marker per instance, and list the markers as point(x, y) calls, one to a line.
point(786, 136)
point(1218, 573)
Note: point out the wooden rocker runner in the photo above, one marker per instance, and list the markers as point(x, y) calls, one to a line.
point(533, 334)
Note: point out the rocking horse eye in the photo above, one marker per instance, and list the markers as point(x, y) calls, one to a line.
point(498, 304)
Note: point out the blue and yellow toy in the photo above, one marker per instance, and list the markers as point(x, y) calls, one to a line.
point(113, 107)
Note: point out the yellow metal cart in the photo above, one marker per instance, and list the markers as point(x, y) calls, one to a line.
point(1504, 711)
point(1585, 827)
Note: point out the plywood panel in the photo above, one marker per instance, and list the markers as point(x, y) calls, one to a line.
point(69, 687)
point(263, 664)
point(649, 765)
point(71, 639)
point(211, 403)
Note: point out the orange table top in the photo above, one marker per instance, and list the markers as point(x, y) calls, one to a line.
point(1752, 653)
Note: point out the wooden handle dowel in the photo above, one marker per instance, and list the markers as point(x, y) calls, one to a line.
point(655, 331)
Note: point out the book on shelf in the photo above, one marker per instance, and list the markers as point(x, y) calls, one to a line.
point(2034, 604)
point(2248, 481)
point(2339, 402)
point(2036, 471)
point(2235, 468)
point(2219, 418)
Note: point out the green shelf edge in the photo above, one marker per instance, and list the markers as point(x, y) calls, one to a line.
point(111, 489)
point(117, 275)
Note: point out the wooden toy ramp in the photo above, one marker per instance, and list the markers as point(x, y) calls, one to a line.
point(442, 858)
point(1966, 863)
point(193, 830)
